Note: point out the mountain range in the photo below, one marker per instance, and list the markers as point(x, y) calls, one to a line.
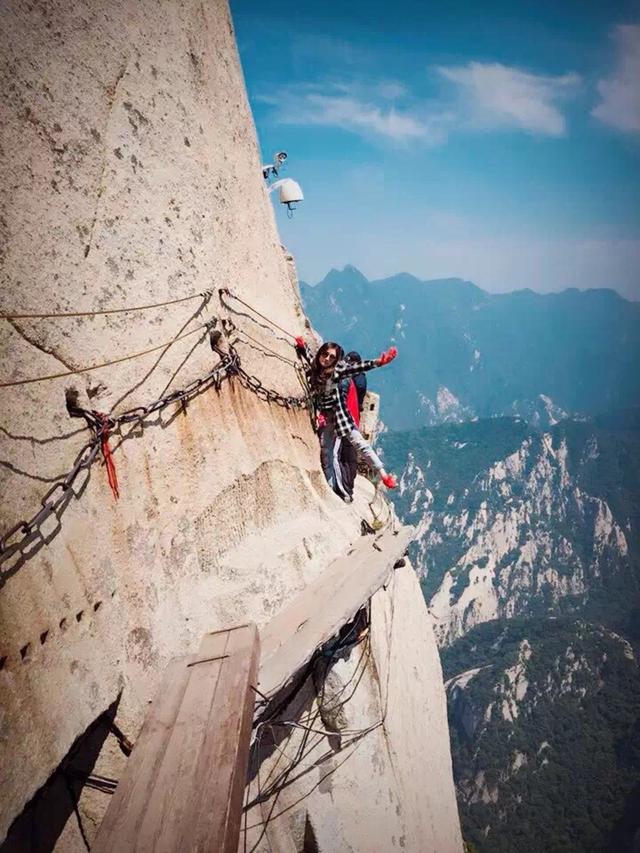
point(513, 421)
point(513, 521)
point(466, 353)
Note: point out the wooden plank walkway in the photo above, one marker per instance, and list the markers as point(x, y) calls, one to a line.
point(184, 782)
point(316, 615)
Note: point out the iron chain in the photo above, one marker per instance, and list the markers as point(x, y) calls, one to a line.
point(254, 384)
point(19, 536)
point(54, 499)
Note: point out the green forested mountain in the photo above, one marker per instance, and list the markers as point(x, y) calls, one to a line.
point(545, 726)
point(528, 546)
point(467, 353)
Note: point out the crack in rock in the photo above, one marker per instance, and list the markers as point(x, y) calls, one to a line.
point(41, 347)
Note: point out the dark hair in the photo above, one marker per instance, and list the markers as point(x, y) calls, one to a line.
point(316, 367)
point(353, 356)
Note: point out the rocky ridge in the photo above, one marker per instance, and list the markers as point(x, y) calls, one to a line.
point(517, 535)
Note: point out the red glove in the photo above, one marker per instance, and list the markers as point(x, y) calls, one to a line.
point(321, 421)
point(388, 356)
point(300, 344)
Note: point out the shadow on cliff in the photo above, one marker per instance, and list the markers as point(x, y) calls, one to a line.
point(40, 825)
point(165, 350)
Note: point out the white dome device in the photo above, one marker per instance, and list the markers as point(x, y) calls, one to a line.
point(290, 191)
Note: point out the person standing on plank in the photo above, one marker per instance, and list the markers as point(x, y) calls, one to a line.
point(324, 372)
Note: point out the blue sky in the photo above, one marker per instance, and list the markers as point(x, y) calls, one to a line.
point(499, 143)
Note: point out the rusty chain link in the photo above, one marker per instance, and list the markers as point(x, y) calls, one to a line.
point(49, 505)
point(254, 384)
point(55, 500)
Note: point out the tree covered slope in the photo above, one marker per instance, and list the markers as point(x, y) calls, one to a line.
point(512, 521)
point(545, 725)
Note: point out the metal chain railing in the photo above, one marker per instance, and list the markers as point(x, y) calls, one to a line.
point(254, 384)
point(55, 500)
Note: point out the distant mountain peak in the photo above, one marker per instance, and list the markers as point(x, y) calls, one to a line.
point(353, 270)
point(348, 275)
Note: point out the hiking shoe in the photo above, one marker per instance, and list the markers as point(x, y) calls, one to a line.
point(390, 481)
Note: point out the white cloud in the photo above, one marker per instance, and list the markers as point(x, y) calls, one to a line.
point(488, 97)
point(358, 109)
point(620, 93)
point(497, 96)
point(351, 114)
point(391, 90)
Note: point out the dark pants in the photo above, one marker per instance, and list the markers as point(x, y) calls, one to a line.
point(331, 446)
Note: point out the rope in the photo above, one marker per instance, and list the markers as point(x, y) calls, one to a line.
point(129, 357)
point(224, 291)
point(102, 426)
point(230, 326)
point(205, 295)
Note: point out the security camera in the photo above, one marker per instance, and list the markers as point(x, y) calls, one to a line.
point(289, 193)
point(272, 169)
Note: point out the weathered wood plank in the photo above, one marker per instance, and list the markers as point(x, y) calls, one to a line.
point(321, 609)
point(128, 803)
point(183, 786)
point(168, 809)
point(228, 754)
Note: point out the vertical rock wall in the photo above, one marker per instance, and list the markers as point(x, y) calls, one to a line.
point(132, 176)
point(383, 781)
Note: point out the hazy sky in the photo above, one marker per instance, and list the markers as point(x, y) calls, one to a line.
point(498, 142)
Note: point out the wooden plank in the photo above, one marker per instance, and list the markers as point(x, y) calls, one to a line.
point(321, 609)
point(228, 755)
point(169, 805)
point(128, 803)
point(182, 789)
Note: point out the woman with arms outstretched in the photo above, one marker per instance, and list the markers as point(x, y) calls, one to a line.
point(325, 371)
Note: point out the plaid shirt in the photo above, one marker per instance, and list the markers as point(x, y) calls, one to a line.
point(326, 393)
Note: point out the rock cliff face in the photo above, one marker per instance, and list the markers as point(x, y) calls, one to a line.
point(512, 522)
point(133, 177)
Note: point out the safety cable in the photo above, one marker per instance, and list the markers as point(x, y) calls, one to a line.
point(224, 291)
point(229, 326)
point(330, 655)
point(283, 779)
point(205, 295)
point(254, 384)
point(266, 349)
point(56, 499)
point(129, 357)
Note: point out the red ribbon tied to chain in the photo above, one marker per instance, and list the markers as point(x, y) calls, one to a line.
point(103, 433)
